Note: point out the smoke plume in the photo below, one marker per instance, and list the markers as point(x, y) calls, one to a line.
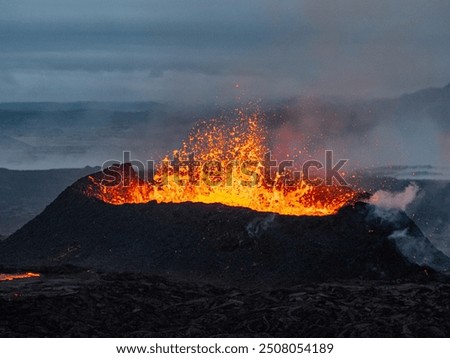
point(399, 201)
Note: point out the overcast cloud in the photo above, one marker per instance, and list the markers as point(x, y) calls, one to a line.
point(197, 51)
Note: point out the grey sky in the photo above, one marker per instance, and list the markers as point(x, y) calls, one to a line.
point(197, 51)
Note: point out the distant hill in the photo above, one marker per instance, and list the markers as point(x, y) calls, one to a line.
point(84, 105)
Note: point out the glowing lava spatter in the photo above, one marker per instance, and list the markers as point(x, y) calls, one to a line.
point(17, 276)
point(226, 168)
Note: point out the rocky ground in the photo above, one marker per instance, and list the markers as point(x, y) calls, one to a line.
point(77, 303)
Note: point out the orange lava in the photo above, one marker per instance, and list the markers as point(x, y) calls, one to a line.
point(18, 276)
point(229, 171)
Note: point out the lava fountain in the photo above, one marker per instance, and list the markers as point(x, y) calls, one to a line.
point(222, 162)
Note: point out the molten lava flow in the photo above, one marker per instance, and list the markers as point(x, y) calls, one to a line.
point(18, 276)
point(226, 168)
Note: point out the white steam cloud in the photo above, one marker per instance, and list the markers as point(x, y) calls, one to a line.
point(408, 239)
point(399, 201)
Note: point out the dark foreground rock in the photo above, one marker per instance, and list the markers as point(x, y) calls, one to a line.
point(87, 304)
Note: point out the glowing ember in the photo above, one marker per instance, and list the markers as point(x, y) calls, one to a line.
point(226, 167)
point(18, 276)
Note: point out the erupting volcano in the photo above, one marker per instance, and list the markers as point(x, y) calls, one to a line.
point(222, 162)
point(217, 212)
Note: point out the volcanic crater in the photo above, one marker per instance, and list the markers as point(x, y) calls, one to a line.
point(214, 242)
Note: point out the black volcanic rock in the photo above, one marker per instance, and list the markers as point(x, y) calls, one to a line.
point(214, 242)
point(88, 304)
